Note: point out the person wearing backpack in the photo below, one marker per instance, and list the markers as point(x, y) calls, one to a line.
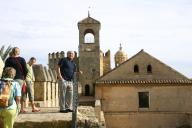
point(9, 106)
point(20, 65)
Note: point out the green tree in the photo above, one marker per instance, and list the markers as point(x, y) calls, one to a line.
point(4, 53)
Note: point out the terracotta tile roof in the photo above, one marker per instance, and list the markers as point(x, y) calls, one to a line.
point(145, 82)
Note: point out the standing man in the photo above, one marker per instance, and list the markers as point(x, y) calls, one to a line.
point(65, 74)
point(29, 83)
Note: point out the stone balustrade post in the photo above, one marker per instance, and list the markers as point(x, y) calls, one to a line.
point(56, 88)
point(48, 87)
point(53, 86)
point(40, 85)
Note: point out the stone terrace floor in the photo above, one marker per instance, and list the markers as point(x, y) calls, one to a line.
point(47, 117)
point(46, 114)
point(52, 118)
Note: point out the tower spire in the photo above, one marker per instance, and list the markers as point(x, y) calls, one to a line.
point(89, 11)
point(120, 47)
point(88, 14)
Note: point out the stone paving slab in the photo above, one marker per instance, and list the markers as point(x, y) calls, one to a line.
point(46, 114)
point(46, 118)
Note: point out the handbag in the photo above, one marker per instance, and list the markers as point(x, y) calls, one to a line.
point(24, 88)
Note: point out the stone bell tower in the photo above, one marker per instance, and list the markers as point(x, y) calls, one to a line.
point(89, 54)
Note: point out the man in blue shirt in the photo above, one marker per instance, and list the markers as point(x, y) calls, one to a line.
point(65, 74)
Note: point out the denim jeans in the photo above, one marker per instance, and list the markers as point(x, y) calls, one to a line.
point(21, 82)
point(65, 94)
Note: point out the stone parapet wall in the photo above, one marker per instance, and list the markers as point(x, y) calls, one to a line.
point(54, 88)
point(39, 73)
point(45, 87)
point(54, 58)
point(48, 88)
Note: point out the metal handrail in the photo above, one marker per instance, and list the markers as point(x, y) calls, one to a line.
point(75, 101)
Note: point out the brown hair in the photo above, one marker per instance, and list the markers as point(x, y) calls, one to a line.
point(32, 58)
point(9, 72)
point(13, 52)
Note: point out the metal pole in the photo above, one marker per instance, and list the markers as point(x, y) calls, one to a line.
point(75, 101)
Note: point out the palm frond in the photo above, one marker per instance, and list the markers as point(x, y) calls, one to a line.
point(2, 50)
point(4, 53)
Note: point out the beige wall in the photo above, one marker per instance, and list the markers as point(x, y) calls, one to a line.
point(161, 97)
point(167, 105)
point(146, 120)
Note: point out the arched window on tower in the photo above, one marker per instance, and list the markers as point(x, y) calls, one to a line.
point(149, 68)
point(89, 38)
point(136, 68)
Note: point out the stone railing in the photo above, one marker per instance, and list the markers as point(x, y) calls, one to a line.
point(45, 87)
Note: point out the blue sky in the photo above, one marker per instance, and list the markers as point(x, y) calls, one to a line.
point(163, 28)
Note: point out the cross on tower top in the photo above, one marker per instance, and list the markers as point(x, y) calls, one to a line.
point(120, 46)
point(89, 11)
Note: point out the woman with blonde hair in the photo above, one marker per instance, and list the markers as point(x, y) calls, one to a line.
point(19, 64)
point(9, 112)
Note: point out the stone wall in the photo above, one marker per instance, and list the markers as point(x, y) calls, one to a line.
point(162, 97)
point(169, 105)
point(45, 87)
point(54, 58)
point(87, 118)
point(106, 62)
point(148, 120)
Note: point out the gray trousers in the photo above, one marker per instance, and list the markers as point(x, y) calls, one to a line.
point(65, 94)
point(30, 91)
